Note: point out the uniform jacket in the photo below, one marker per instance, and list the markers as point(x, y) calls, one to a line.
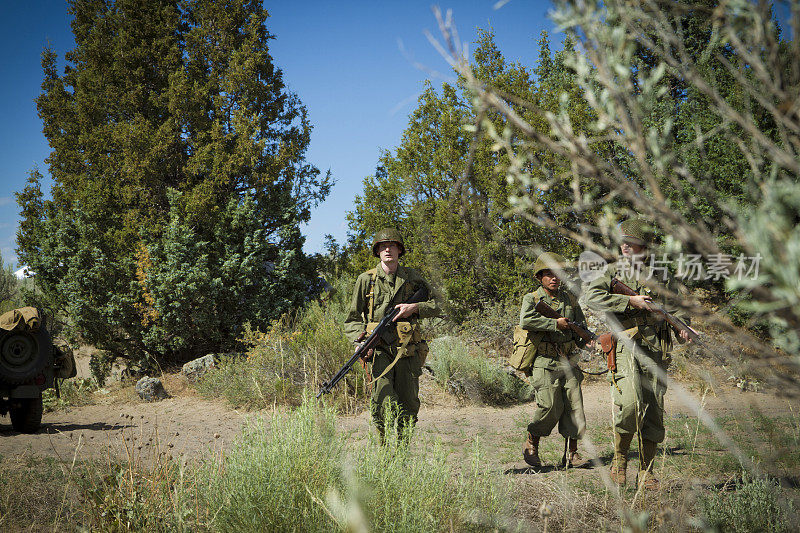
point(531, 320)
point(389, 291)
point(554, 343)
point(651, 330)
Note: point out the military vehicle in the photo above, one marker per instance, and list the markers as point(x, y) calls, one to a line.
point(29, 364)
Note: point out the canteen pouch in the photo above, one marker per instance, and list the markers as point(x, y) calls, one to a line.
point(406, 337)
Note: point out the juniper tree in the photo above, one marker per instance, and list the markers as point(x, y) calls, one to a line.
point(172, 136)
point(447, 187)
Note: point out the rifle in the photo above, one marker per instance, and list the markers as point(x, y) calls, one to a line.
point(678, 325)
point(606, 341)
point(370, 342)
point(546, 311)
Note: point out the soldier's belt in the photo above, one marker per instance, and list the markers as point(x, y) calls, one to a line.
point(555, 350)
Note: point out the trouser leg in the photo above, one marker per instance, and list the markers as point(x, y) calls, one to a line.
point(406, 386)
point(549, 402)
point(384, 401)
point(572, 422)
point(626, 393)
point(396, 393)
point(653, 391)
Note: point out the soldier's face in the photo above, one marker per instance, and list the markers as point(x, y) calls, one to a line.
point(388, 251)
point(550, 280)
point(630, 249)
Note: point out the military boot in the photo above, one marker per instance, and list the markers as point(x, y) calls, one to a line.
point(622, 443)
point(647, 456)
point(530, 452)
point(572, 458)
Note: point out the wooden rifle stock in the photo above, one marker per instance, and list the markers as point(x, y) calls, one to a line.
point(678, 325)
point(546, 311)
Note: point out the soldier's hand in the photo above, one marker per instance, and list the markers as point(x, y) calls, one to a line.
point(591, 345)
point(562, 323)
point(367, 356)
point(640, 301)
point(406, 310)
point(685, 335)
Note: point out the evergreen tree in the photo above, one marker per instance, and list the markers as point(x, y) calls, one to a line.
point(169, 127)
point(456, 217)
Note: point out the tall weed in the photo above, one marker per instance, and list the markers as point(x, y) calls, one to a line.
point(755, 505)
point(470, 374)
point(299, 352)
point(296, 473)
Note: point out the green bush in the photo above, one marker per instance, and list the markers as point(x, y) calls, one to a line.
point(294, 473)
point(470, 374)
point(73, 392)
point(300, 351)
point(492, 327)
point(756, 505)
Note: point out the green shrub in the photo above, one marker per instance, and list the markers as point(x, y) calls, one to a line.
point(73, 392)
point(300, 352)
point(470, 374)
point(756, 505)
point(294, 473)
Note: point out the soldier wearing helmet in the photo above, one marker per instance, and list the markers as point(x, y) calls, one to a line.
point(396, 363)
point(553, 372)
point(636, 390)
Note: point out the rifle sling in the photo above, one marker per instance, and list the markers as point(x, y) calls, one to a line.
point(396, 358)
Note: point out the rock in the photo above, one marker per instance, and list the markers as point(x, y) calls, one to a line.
point(150, 389)
point(197, 367)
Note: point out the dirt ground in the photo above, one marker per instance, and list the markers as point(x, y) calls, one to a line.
point(120, 425)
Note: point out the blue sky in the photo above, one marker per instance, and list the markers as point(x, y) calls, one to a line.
point(354, 64)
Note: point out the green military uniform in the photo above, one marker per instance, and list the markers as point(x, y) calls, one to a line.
point(374, 295)
point(637, 393)
point(557, 382)
point(554, 375)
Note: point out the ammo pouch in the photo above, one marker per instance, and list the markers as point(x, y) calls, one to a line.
point(409, 339)
point(526, 344)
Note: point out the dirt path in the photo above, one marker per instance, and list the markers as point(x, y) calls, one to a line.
point(184, 425)
point(190, 426)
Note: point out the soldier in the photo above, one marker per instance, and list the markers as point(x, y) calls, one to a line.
point(397, 361)
point(555, 376)
point(637, 393)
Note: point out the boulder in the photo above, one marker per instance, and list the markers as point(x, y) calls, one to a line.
point(194, 369)
point(150, 389)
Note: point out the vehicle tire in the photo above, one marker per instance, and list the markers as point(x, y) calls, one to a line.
point(27, 417)
point(23, 354)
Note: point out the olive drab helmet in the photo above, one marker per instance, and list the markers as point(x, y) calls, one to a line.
point(636, 231)
point(388, 234)
point(549, 260)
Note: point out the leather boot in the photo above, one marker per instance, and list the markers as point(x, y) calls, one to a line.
point(647, 456)
point(622, 443)
point(572, 459)
point(530, 452)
